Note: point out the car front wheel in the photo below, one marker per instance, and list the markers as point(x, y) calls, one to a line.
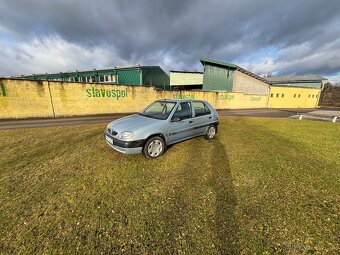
point(154, 147)
point(211, 132)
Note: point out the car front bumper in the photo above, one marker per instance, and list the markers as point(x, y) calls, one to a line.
point(126, 147)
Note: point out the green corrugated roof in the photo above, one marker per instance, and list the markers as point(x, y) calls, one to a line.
point(219, 63)
point(94, 70)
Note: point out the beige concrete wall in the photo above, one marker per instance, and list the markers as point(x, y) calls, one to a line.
point(82, 99)
point(29, 99)
point(225, 100)
point(185, 78)
point(23, 99)
point(249, 85)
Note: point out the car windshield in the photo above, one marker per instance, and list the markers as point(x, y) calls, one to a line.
point(159, 110)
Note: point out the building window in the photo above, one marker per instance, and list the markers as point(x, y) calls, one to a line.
point(113, 78)
point(271, 95)
point(107, 78)
point(283, 95)
point(91, 79)
point(101, 78)
point(316, 96)
point(313, 96)
point(299, 96)
point(277, 95)
point(309, 96)
point(294, 95)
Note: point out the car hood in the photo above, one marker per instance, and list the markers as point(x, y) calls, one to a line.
point(132, 123)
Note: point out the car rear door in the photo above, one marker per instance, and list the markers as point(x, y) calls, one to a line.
point(202, 118)
point(182, 128)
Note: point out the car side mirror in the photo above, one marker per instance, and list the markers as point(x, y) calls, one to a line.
point(175, 119)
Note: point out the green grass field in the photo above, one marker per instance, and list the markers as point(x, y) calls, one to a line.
point(262, 186)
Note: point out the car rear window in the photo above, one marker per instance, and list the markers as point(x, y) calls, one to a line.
point(201, 109)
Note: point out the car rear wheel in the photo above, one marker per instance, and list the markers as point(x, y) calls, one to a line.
point(154, 147)
point(211, 132)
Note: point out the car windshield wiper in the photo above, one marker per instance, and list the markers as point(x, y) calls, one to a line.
point(156, 117)
point(149, 116)
point(145, 115)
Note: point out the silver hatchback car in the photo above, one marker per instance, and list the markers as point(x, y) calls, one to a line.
point(162, 123)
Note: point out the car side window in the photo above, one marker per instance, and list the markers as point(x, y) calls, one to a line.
point(201, 109)
point(183, 111)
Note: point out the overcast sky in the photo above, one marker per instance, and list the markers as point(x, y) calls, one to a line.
point(282, 37)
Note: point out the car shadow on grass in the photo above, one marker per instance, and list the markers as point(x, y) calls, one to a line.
point(167, 229)
point(227, 226)
point(176, 215)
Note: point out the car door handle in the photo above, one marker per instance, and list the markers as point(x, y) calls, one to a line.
point(190, 121)
point(210, 118)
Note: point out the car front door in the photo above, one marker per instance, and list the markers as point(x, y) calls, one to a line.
point(181, 123)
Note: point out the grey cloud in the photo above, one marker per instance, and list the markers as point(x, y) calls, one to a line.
point(151, 31)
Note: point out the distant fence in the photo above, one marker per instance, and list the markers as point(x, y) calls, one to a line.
point(330, 96)
point(46, 99)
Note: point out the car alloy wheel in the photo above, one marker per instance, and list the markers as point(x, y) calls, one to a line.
point(154, 147)
point(211, 132)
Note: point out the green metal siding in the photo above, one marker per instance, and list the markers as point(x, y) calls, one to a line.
point(217, 78)
point(155, 76)
point(139, 75)
point(123, 76)
point(128, 76)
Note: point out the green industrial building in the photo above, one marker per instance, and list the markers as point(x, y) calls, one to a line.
point(222, 76)
point(130, 75)
point(217, 75)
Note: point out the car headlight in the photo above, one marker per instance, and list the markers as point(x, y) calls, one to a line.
point(125, 135)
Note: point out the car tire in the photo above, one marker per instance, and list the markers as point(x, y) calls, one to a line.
point(154, 147)
point(211, 132)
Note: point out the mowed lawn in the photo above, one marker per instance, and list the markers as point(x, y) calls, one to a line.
point(262, 186)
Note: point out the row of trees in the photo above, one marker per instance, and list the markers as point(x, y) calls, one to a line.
point(330, 95)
